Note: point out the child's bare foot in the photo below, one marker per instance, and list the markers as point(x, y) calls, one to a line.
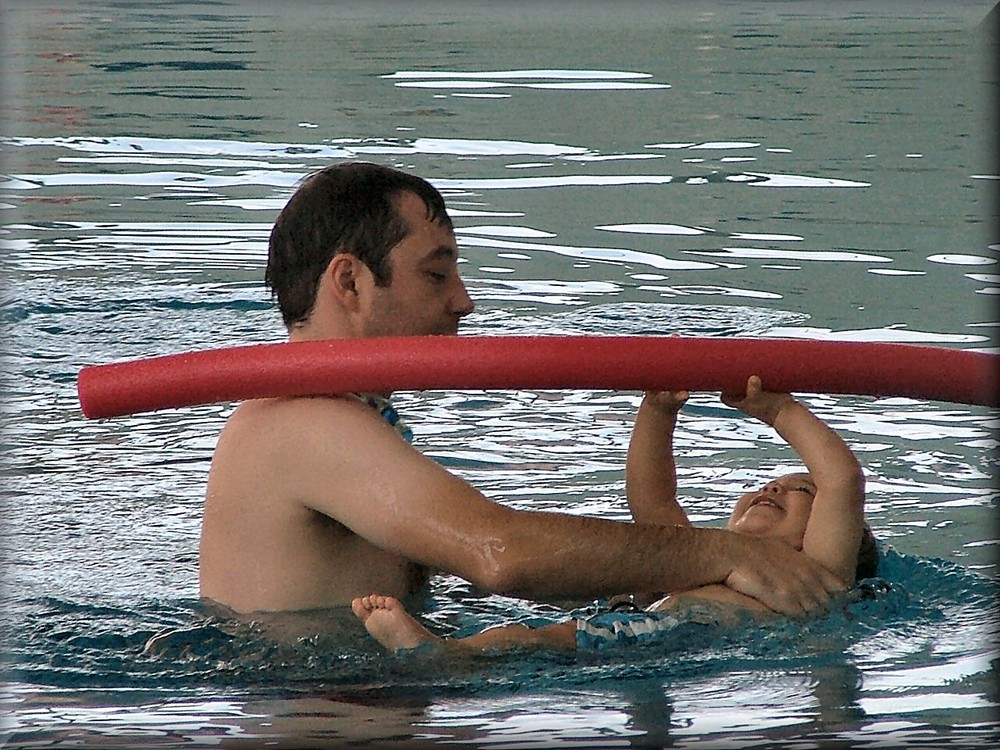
point(390, 624)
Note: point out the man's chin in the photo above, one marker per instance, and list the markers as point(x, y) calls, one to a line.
point(447, 331)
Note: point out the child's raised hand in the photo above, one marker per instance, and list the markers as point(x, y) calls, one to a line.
point(757, 402)
point(668, 402)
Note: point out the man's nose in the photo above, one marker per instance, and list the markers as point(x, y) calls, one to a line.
point(461, 303)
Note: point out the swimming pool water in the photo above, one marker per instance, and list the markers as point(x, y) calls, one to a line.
point(762, 169)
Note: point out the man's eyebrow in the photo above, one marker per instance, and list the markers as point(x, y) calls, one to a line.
point(441, 251)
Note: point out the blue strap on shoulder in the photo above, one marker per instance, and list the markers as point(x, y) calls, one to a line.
point(388, 412)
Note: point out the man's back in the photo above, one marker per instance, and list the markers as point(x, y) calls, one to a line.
point(263, 547)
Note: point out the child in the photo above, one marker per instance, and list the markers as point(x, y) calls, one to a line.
point(820, 512)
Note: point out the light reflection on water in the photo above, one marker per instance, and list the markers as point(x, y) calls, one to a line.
point(136, 225)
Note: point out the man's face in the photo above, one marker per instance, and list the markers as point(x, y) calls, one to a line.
point(780, 509)
point(426, 295)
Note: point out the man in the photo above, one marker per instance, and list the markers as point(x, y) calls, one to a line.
point(313, 501)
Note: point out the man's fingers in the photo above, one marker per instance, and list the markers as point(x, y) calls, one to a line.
point(793, 584)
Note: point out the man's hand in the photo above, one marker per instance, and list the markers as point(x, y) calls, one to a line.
point(782, 578)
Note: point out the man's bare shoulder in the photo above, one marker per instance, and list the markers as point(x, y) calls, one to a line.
point(302, 414)
point(296, 406)
point(302, 438)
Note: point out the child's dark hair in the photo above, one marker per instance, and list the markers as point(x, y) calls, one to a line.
point(867, 555)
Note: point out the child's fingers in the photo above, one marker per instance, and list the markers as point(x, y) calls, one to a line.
point(732, 399)
point(679, 396)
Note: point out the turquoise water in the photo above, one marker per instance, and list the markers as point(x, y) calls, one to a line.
point(849, 673)
point(775, 169)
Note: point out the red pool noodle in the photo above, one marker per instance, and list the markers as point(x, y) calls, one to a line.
point(537, 362)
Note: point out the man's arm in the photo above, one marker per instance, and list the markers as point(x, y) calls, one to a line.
point(348, 464)
point(836, 521)
point(650, 469)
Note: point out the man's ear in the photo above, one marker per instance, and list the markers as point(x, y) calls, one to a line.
point(343, 275)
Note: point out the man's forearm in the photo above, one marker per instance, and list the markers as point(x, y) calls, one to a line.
point(551, 555)
point(594, 557)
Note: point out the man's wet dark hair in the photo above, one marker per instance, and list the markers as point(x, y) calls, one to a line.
point(867, 556)
point(349, 207)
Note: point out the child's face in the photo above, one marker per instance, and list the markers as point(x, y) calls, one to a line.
point(780, 509)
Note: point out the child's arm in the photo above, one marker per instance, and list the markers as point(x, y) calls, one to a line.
point(836, 521)
point(650, 471)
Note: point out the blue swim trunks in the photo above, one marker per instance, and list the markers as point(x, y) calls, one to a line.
point(610, 629)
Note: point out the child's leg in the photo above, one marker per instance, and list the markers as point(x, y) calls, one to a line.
point(558, 635)
point(390, 624)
